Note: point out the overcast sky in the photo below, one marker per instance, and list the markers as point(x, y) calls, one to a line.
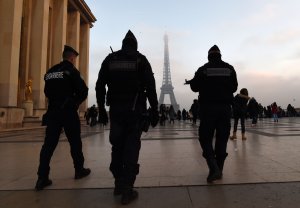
point(260, 38)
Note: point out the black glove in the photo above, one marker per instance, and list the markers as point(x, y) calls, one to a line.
point(103, 118)
point(154, 117)
point(187, 82)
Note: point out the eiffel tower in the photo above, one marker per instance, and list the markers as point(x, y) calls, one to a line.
point(167, 88)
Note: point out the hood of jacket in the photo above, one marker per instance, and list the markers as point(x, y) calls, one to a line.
point(214, 54)
point(129, 42)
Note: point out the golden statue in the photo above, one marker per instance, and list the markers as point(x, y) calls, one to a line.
point(28, 90)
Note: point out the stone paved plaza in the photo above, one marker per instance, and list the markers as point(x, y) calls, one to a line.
point(263, 171)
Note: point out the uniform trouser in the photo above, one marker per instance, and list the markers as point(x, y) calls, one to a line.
point(57, 120)
point(194, 120)
point(125, 134)
point(236, 121)
point(254, 119)
point(215, 119)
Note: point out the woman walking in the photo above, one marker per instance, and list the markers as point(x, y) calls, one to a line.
point(239, 112)
point(274, 110)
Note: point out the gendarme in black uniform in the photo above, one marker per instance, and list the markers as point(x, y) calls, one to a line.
point(130, 80)
point(216, 82)
point(65, 90)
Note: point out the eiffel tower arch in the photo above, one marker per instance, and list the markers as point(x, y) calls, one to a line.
point(167, 87)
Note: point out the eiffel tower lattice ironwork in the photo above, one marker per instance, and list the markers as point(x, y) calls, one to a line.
point(167, 88)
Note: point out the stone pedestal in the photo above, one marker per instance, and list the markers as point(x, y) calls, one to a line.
point(30, 121)
point(28, 107)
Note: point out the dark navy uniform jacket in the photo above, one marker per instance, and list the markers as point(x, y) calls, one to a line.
point(126, 76)
point(239, 106)
point(129, 78)
point(64, 86)
point(216, 82)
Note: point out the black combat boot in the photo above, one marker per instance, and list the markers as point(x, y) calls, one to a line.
point(128, 196)
point(41, 183)
point(118, 190)
point(82, 173)
point(214, 171)
point(220, 162)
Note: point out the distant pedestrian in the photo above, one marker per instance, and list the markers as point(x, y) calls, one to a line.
point(87, 116)
point(162, 114)
point(93, 114)
point(178, 115)
point(184, 114)
point(172, 114)
point(260, 111)
point(274, 109)
point(253, 110)
point(239, 112)
point(195, 110)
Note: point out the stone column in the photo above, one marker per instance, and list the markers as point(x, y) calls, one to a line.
point(38, 50)
point(84, 48)
point(73, 32)
point(24, 50)
point(10, 35)
point(59, 23)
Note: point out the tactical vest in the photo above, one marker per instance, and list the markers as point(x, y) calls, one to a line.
point(58, 84)
point(125, 85)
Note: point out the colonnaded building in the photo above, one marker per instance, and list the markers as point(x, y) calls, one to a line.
point(33, 34)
